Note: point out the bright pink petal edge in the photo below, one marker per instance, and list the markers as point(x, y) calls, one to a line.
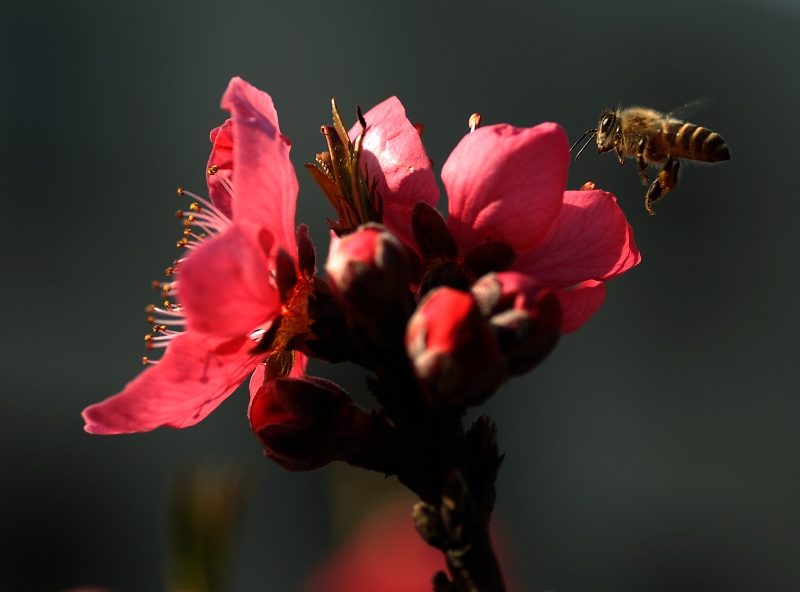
point(265, 187)
point(590, 239)
point(580, 303)
point(192, 378)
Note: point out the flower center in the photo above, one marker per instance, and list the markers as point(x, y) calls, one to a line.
point(292, 325)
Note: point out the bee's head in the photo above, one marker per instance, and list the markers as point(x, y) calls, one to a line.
point(606, 131)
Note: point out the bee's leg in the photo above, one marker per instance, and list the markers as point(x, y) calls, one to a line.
point(618, 150)
point(667, 179)
point(641, 162)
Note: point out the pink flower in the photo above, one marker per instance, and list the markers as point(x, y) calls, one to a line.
point(227, 295)
point(506, 186)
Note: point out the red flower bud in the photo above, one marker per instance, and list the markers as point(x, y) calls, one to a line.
point(370, 265)
point(525, 316)
point(369, 276)
point(453, 349)
point(302, 422)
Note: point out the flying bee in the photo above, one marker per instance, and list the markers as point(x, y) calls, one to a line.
point(655, 139)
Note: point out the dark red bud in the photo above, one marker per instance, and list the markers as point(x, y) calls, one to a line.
point(525, 316)
point(453, 349)
point(369, 275)
point(302, 422)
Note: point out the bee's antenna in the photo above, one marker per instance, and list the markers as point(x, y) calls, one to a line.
point(591, 131)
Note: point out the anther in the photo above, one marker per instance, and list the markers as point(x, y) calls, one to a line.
point(180, 190)
point(179, 214)
point(150, 308)
point(474, 122)
point(195, 207)
point(145, 360)
point(155, 284)
point(212, 170)
point(168, 271)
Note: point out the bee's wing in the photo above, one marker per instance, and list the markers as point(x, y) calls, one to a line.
point(691, 108)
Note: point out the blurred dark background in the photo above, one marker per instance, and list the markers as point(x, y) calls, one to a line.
point(657, 449)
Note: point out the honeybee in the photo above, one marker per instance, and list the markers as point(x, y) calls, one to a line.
point(655, 139)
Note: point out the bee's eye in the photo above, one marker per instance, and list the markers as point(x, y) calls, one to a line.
point(605, 124)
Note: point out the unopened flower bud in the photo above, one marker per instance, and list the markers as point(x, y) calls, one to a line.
point(369, 276)
point(302, 422)
point(453, 350)
point(525, 317)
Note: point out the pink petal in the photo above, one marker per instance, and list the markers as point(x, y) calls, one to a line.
point(222, 158)
point(395, 157)
point(590, 239)
point(298, 371)
point(265, 186)
point(506, 184)
point(195, 375)
point(224, 285)
point(580, 303)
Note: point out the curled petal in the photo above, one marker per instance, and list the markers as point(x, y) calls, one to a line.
point(590, 239)
point(220, 168)
point(224, 285)
point(578, 304)
point(266, 185)
point(193, 377)
point(393, 157)
point(506, 184)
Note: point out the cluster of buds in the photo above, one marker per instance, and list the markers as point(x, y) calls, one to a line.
point(436, 348)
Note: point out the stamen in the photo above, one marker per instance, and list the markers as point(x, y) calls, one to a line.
point(201, 221)
point(226, 184)
point(474, 122)
point(212, 212)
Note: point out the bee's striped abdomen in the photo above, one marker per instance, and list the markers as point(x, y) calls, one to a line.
point(693, 142)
